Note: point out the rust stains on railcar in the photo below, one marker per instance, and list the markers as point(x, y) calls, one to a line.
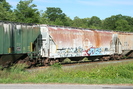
point(102, 38)
point(97, 38)
point(66, 37)
point(105, 38)
point(69, 37)
point(79, 42)
point(88, 39)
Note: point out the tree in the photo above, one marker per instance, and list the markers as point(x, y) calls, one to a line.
point(43, 18)
point(26, 12)
point(122, 25)
point(67, 21)
point(95, 22)
point(6, 14)
point(82, 23)
point(5, 5)
point(55, 13)
point(76, 22)
point(130, 22)
point(58, 22)
point(85, 22)
point(118, 22)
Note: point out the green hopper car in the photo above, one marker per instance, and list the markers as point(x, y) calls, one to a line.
point(17, 40)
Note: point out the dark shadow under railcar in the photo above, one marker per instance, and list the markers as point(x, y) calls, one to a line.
point(8, 59)
point(90, 58)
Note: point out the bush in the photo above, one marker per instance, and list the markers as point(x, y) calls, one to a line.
point(56, 66)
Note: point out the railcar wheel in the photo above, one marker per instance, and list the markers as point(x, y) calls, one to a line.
point(28, 64)
point(57, 61)
point(45, 62)
point(101, 59)
point(92, 60)
point(52, 62)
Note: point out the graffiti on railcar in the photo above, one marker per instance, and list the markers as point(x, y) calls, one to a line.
point(79, 51)
point(95, 51)
point(70, 52)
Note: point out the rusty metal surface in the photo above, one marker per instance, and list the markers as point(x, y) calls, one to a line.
point(77, 42)
point(62, 42)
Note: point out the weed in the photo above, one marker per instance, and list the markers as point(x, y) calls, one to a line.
point(119, 73)
point(56, 66)
point(67, 60)
point(17, 68)
point(85, 59)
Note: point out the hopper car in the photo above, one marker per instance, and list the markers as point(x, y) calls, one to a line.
point(45, 44)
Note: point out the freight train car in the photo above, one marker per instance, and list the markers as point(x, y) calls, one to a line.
point(126, 43)
point(75, 43)
point(17, 41)
point(44, 44)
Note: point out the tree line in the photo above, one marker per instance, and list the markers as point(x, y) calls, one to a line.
point(26, 12)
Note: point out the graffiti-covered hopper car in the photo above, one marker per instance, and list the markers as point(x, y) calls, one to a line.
point(63, 42)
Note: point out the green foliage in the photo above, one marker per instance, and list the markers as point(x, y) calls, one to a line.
point(67, 60)
point(56, 66)
point(58, 22)
point(43, 18)
point(6, 13)
point(17, 68)
point(118, 23)
point(1, 67)
point(54, 13)
point(5, 5)
point(55, 16)
point(26, 12)
point(120, 73)
point(76, 22)
point(85, 59)
point(67, 21)
point(95, 22)
point(122, 25)
point(81, 23)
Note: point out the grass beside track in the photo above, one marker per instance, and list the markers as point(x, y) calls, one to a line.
point(118, 73)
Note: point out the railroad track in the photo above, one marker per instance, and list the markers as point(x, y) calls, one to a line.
point(76, 64)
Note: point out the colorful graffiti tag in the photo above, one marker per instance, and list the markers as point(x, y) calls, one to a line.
point(94, 51)
point(70, 52)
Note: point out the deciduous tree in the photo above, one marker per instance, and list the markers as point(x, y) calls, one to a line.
point(122, 25)
point(95, 22)
point(53, 13)
point(26, 12)
point(6, 14)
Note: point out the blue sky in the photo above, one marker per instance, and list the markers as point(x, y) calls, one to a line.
point(85, 8)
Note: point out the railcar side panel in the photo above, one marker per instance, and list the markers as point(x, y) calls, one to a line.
point(102, 43)
point(16, 39)
point(1, 38)
point(70, 42)
point(126, 41)
point(45, 47)
point(6, 33)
